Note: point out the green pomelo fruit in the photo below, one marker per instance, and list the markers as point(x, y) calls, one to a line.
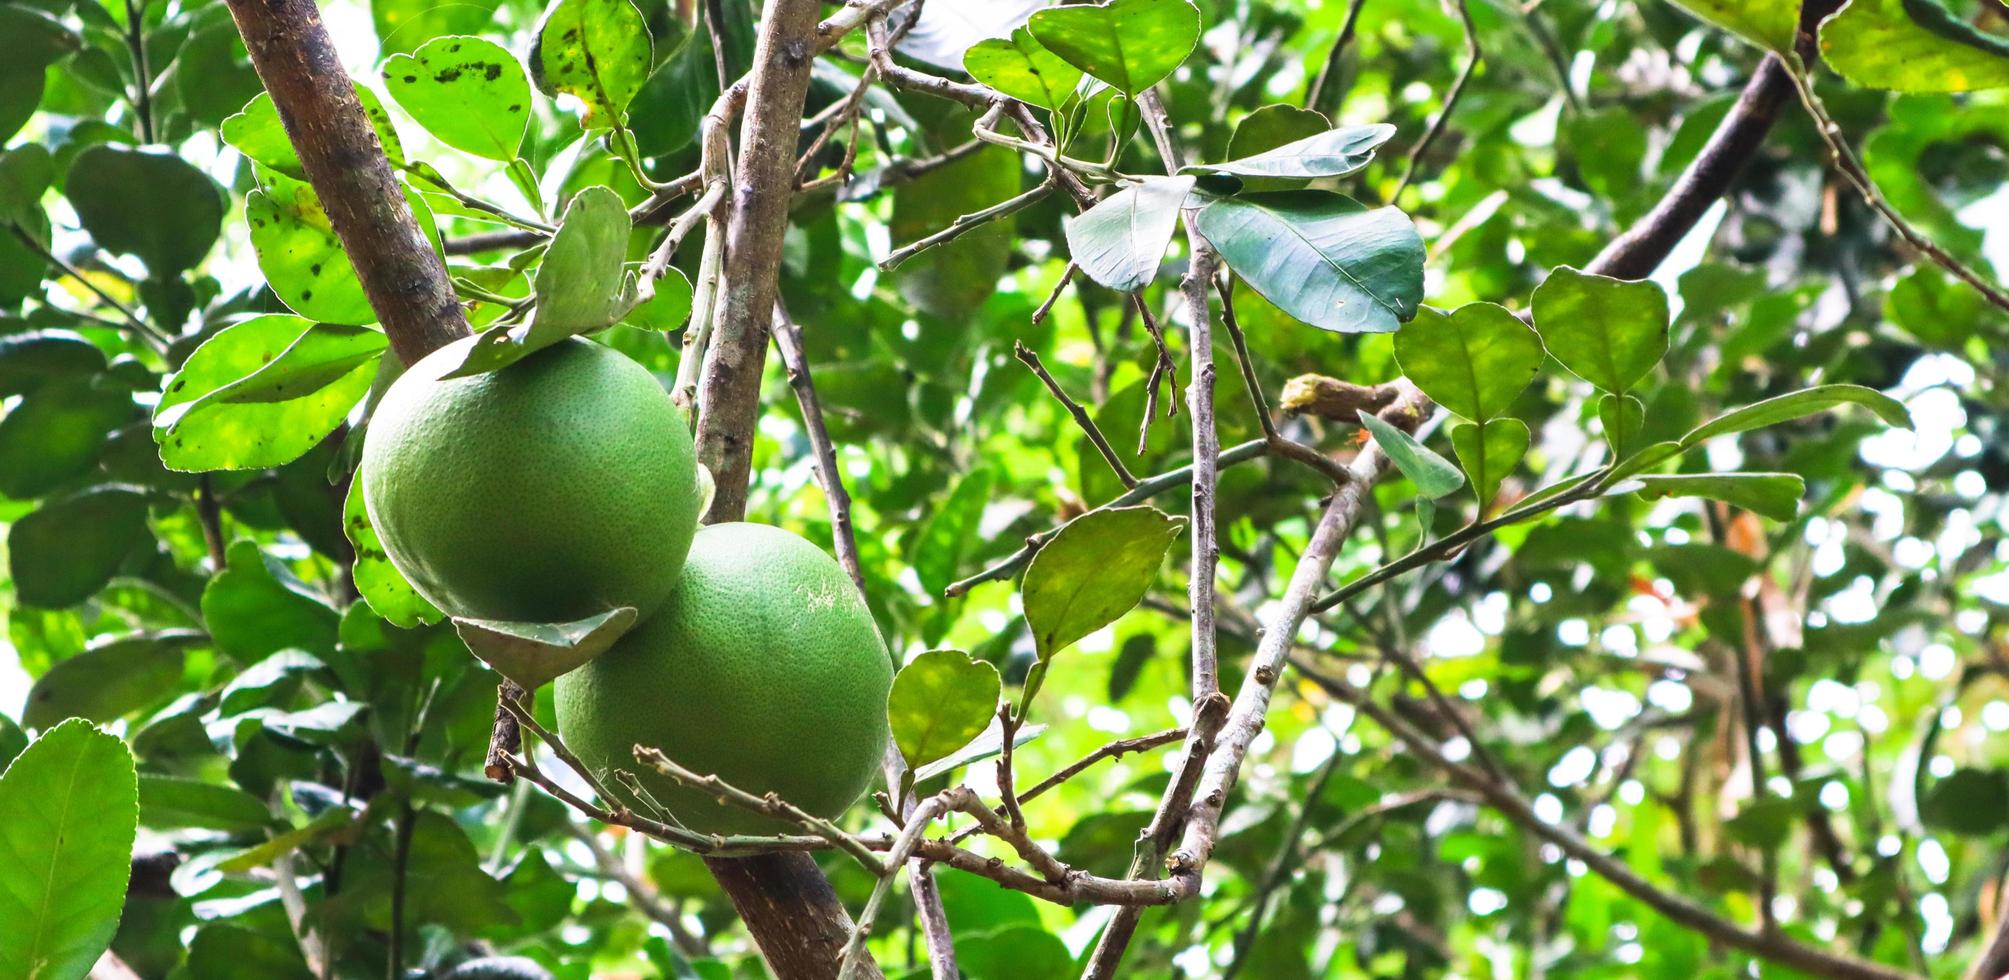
point(557, 488)
point(763, 668)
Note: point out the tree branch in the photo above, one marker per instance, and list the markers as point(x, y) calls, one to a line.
point(405, 281)
point(1775, 947)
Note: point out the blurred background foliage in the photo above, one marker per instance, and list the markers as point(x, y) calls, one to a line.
point(287, 736)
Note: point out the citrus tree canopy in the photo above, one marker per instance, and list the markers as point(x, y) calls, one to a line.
point(1004, 489)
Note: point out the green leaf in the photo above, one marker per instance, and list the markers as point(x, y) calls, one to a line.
point(950, 533)
point(1433, 475)
point(223, 951)
point(67, 550)
point(1131, 44)
point(534, 654)
point(1093, 570)
point(34, 358)
point(255, 608)
point(1766, 23)
point(582, 285)
point(32, 39)
point(301, 255)
point(1322, 258)
point(1912, 46)
point(56, 434)
point(402, 25)
point(147, 203)
point(1473, 361)
point(1773, 495)
point(109, 680)
point(257, 132)
point(1969, 801)
point(940, 701)
point(1703, 569)
point(1333, 153)
point(385, 588)
point(174, 803)
point(1609, 332)
point(1623, 417)
point(468, 91)
point(1275, 125)
point(1025, 952)
point(667, 111)
point(262, 392)
point(1798, 404)
point(325, 824)
point(1021, 67)
point(70, 807)
point(26, 172)
point(268, 682)
point(1489, 451)
point(12, 741)
point(1120, 241)
point(597, 51)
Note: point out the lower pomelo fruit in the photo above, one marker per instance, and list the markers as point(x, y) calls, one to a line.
point(763, 668)
point(554, 489)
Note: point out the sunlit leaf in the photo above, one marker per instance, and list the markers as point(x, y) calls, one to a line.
point(1021, 67)
point(381, 584)
point(597, 51)
point(1607, 331)
point(1473, 361)
point(468, 91)
point(1798, 404)
point(70, 806)
point(1131, 44)
point(1912, 46)
point(940, 701)
point(1773, 495)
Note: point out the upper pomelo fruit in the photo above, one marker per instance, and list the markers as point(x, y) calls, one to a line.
point(763, 668)
point(554, 489)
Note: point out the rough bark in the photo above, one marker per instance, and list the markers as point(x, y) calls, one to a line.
point(404, 279)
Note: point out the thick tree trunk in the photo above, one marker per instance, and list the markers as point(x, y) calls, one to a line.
point(404, 279)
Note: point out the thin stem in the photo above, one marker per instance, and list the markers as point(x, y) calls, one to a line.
point(142, 72)
point(133, 321)
point(1472, 56)
point(1081, 418)
point(966, 224)
point(768, 805)
point(1776, 947)
point(1314, 97)
point(1851, 169)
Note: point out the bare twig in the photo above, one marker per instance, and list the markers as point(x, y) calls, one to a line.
point(1315, 97)
point(133, 321)
point(1851, 169)
point(967, 223)
point(1776, 947)
point(1472, 56)
point(765, 804)
point(1081, 418)
point(1046, 305)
